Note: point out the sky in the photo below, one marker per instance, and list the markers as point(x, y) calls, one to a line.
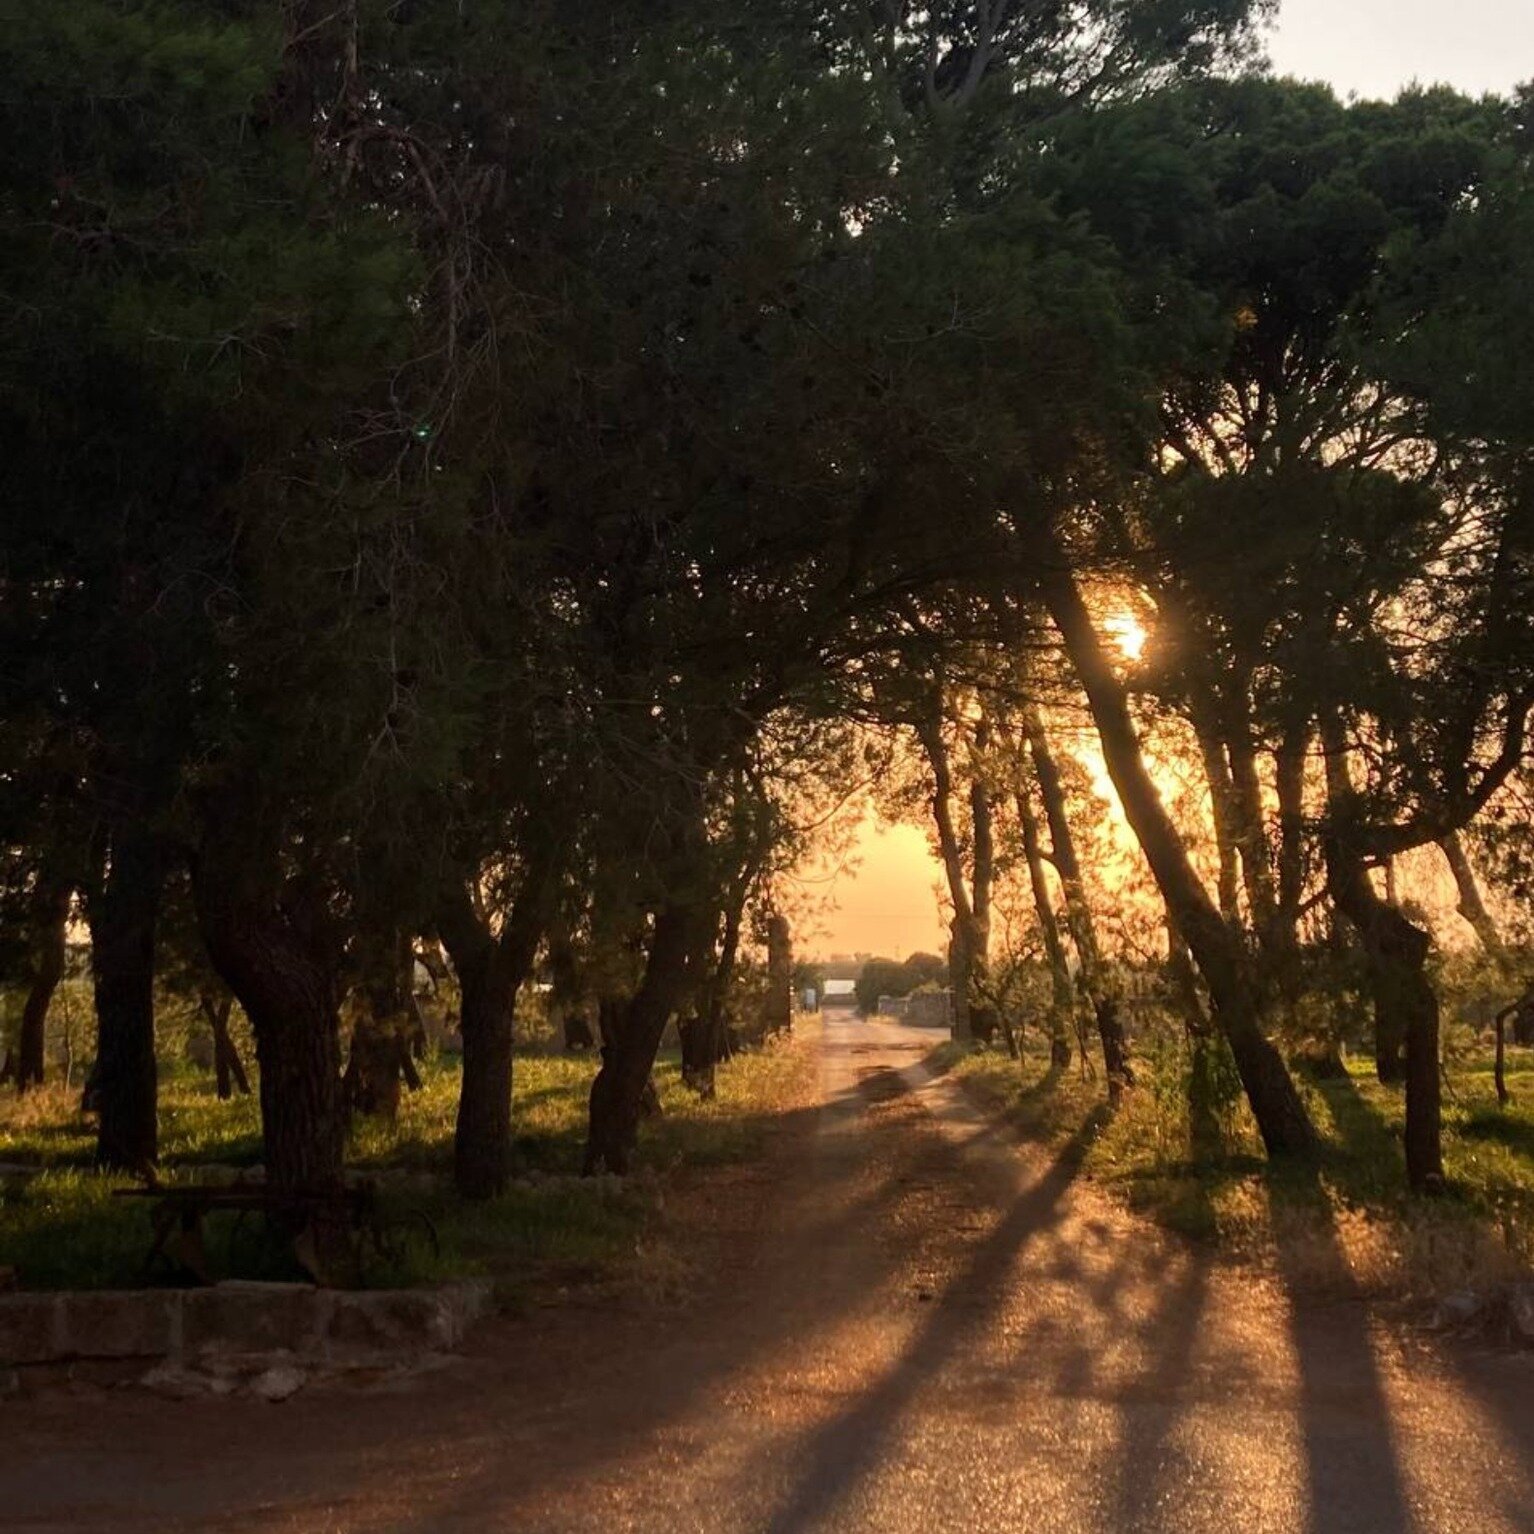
point(887, 905)
point(1366, 47)
point(1374, 47)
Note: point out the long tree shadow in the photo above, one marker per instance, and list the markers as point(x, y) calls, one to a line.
point(1368, 1162)
point(1352, 1467)
point(1371, 1169)
point(1147, 1462)
point(840, 1454)
point(671, 1374)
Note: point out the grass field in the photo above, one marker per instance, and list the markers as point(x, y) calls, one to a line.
point(63, 1228)
point(1346, 1220)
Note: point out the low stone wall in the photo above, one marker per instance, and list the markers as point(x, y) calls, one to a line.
point(236, 1330)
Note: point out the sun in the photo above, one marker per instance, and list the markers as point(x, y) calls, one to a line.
point(1128, 633)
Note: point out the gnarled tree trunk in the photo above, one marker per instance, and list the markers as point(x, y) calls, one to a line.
point(633, 1034)
point(1405, 1003)
point(1354, 895)
point(1289, 782)
point(1472, 905)
point(1222, 796)
point(491, 970)
point(1203, 1122)
point(274, 953)
point(1251, 832)
point(567, 1001)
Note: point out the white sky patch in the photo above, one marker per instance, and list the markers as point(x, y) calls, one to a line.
point(1374, 47)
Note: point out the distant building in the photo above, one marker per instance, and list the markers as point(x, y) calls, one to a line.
point(839, 994)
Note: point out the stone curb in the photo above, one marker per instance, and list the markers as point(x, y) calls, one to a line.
point(179, 1326)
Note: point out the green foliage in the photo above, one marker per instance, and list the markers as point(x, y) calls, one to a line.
point(889, 977)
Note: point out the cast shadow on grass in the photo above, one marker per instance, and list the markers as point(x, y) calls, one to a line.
point(1493, 1126)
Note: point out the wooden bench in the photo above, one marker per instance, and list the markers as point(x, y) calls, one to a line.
point(331, 1231)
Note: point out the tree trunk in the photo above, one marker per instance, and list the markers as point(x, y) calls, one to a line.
point(1281, 1117)
point(618, 1092)
point(1251, 833)
point(1281, 939)
point(491, 970)
point(1183, 982)
point(705, 1036)
point(1405, 1003)
point(1395, 953)
point(1344, 868)
point(1473, 908)
point(1289, 780)
point(1203, 1121)
point(700, 1053)
point(299, 1054)
point(958, 984)
point(1472, 905)
point(122, 912)
point(1223, 725)
point(285, 976)
point(1222, 794)
point(984, 1018)
point(1499, 1060)
point(966, 950)
point(780, 975)
point(1521, 1016)
point(49, 956)
point(380, 1048)
point(567, 1003)
point(228, 1068)
point(1062, 993)
point(1097, 979)
point(374, 1064)
point(482, 1133)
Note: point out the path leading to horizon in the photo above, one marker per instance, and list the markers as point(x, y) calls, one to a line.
point(903, 1322)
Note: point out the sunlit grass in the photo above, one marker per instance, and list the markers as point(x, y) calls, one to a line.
point(1353, 1201)
point(61, 1226)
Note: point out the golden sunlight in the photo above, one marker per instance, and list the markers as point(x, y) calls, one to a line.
point(1128, 633)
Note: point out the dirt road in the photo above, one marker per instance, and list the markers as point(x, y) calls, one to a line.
point(906, 1324)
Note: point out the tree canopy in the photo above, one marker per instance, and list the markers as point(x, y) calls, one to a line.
point(480, 476)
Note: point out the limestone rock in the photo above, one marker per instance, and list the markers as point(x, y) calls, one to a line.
point(279, 1382)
